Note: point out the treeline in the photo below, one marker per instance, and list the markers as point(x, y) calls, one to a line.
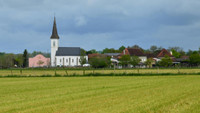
point(8, 60)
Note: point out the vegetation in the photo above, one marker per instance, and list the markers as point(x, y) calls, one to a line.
point(166, 61)
point(101, 94)
point(25, 58)
point(135, 60)
point(125, 60)
point(88, 71)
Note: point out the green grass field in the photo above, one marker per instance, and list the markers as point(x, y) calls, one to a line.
point(160, 94)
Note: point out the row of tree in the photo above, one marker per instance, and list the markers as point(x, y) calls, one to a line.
point(18, 60)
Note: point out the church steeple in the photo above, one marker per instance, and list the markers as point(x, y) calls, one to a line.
point(54, 31)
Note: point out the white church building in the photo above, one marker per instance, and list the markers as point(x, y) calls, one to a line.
point(63, 56)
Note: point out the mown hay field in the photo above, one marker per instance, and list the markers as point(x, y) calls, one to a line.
point(160, 94)
point(39, 72)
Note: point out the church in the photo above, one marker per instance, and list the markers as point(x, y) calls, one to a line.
point(63, 56)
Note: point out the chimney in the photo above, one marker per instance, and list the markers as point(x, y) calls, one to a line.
point(124, 51)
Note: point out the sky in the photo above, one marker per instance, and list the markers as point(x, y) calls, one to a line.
point(99, 24)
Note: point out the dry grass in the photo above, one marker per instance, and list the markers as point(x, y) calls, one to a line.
point(80, 72)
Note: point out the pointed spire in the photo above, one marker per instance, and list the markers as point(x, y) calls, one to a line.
point(54, 31)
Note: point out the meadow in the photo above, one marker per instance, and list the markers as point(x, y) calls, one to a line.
point(129, 94)
point(66, 71)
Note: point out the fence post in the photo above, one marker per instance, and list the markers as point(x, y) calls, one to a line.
point(178, 70)
point(11, 72)
point(158, 70)
point(66, 72)
point(20, 71)
point(83, 71)
point(55, 73)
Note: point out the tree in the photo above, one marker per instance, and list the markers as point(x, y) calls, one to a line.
point(153, 48)
point(82, 58)
point(111, 50)
point(122, 48)
point(175, 53)
point(125, 60)
point(18, 60)
point(149, 62)
point(25, 58)
point(136, 47)
point(166, 61)
point(99, 62)
point(91, 51)
point(134, 60)
point(195, 59)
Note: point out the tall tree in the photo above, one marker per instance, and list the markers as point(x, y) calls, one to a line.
point(122, 48)
point(175, 53)
point(82, 58)
point(125, 60)
point(25, 58)
point(195, 59)
point(149, 62)
point(153, 48)
point(136, 47)
point(135, 60)
point(166, 61)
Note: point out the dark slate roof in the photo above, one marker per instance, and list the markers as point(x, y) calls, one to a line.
point(68, 51)
point(54, 31)
point(112, 54)
point(135, 52)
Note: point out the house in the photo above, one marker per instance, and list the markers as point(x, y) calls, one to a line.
point(135, 52)
point(63, 56)
point(162, 54)
point(39, 61)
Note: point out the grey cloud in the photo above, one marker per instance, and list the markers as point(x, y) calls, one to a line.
point(101, 23)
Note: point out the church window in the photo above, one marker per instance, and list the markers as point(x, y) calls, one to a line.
point(67, 60)
point(60, 60)
point(54, 43)
point(73, 60)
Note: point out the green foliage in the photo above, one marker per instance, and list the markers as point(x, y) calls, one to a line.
point(135, 60)
point(166, 61)
point(34, 53)
point(91, 51)
point(175, 53)
point(25, 58)
point(111, 50)
point(122, 48)
point(195, 59)
point(6, 60)
point(125, 60)
point(99, 62)
point(149, 62)
point(18, 60)
point(82, 58)
point(153, 48)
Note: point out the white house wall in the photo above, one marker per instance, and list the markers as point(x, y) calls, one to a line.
point(143, 58)
point(68, 60)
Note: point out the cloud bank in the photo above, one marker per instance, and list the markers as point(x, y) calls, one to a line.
point(97, 24)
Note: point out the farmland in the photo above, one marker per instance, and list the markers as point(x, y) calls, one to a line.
point(40, 72)
point(174, 94)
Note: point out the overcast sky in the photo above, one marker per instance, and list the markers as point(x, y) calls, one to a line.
point(97, 24)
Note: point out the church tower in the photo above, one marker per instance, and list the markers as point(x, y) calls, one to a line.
point(54, 44)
